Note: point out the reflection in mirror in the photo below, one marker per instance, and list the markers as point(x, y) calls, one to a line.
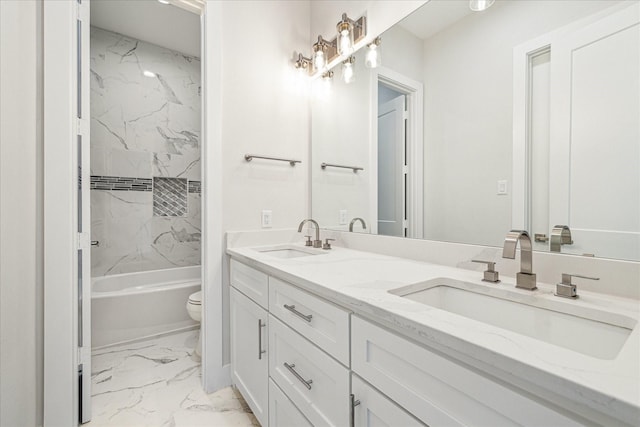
point(525, 115)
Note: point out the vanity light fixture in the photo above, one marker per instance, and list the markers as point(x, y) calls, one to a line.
point(303, 64)
point(327, 77)
point(373, 58)
point(349, 33)
point(348, 75)
point(480, 5)
point(322, 51)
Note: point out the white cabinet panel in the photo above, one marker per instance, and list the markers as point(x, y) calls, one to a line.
point(251, 282)
point(249, 366)
point(317, 320)
point(437, 390)
point(315, 383)
point(373, 409)
point(282, 412)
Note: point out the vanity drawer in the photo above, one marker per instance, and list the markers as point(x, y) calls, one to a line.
point(319, 321)
point(437, 390)
point(282, 412)
point(251, 282)
point(315, 383)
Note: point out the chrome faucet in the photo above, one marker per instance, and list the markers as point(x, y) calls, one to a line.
point(317, 243)
point(560, 235)
point(364, 225)
point(525, 279)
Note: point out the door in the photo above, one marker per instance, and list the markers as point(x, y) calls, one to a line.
point(83, 211)
point(392, 171)
point(249, 367)
point(595, 79)
point(372, 408)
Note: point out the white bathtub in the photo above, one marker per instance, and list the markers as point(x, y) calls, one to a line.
point(127, 307)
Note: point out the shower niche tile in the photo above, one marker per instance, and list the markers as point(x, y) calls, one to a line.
point(170, 197)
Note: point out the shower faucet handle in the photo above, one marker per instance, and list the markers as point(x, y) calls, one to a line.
point(490, 274)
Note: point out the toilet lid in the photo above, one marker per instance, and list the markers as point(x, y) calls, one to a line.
point(196, 298)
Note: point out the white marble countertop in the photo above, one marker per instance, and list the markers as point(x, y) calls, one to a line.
point(360, 281)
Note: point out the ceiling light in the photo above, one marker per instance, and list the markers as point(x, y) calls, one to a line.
point(164, 1)
point(480, 5)
point(148, 73)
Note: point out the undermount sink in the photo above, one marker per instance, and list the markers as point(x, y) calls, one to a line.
point(288, 251)
point(589, 331)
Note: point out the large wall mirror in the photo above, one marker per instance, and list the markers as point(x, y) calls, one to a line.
point(525, 115)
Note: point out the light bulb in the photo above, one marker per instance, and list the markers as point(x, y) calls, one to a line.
point(345, 46)
point(373, 58)
point(348, 74)
point(480, 5)
point(319, 60)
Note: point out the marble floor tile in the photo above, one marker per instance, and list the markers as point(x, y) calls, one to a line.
point(157, 383)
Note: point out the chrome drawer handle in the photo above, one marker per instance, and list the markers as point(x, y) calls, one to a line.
point(353, 403)
point(260, 350)
point(292, 308)
point(307, 383)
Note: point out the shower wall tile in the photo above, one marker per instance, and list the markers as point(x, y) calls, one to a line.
point(169, 197)
point(145, 123)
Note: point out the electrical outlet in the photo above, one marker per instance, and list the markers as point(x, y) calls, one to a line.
point(343, 217)
point(502, 187)
point(267, 219)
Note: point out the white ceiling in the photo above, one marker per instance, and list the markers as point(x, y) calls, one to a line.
point(435, 16)
point(151, 21)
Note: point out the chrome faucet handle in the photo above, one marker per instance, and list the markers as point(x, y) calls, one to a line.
point(327, 245)
point(308, 242)
point(560, 235)
point(566, 289)
point(490, 274)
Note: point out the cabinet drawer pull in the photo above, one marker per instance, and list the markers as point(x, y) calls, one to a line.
point(260, 350)
point(292, 308)
point(352, 409)
point(307, 383)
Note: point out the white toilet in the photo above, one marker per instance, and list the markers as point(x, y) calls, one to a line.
point(194, 308)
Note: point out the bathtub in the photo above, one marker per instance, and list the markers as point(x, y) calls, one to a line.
point(131, 306)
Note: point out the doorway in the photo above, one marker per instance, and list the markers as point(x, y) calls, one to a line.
point(397, 155)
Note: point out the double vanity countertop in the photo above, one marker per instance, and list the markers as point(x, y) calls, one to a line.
point(360, 281)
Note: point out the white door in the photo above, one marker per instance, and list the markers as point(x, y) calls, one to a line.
point(372, 409)
point(84, 211)
point(391, 168)
point(249, 367)
point(595, 115)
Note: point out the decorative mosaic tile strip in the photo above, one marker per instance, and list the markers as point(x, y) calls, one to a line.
point(119, 183)
point(195, 187)
point(169, 196)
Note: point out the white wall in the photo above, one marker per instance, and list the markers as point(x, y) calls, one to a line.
point(468, 115)
point(20, 215)
point(262, 114)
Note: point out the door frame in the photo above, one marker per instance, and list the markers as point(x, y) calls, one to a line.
point(60, 236)
point(413, 90)
point(522, 55)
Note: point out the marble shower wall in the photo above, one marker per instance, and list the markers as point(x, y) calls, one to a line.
point(145, 126)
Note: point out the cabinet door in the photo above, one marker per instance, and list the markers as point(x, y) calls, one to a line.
point(282, 412)
point(371, 408)
point(249, 367)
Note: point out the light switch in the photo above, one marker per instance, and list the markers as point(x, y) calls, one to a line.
point(267, 217)
point(343, 217)
point(502, 187)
